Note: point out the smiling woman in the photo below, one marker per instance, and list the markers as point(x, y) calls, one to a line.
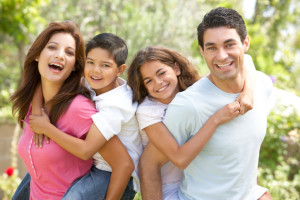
point(55, 61)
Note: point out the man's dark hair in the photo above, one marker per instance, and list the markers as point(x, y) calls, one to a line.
point(222, 17)
point(115, 45)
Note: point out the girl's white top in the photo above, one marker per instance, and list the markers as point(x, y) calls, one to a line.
point(149, 112)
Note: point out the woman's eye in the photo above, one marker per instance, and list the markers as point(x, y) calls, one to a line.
point(51, 47)
point(162, 73)
point(71, 53)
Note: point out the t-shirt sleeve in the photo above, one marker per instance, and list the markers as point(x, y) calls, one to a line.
point(148, 115)
point(79, 116)
point(109, 121)
point(181, 119)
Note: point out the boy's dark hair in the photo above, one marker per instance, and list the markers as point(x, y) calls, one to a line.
point(222, 17)
point(112, 43)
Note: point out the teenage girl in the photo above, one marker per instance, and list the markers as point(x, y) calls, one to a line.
point(156, 75)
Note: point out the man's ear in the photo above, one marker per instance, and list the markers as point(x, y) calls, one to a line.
point(246, 44)
point(121, 69)
point(201, 50)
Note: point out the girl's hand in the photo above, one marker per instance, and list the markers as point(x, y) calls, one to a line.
point(227, 113)
point(245, 99)
point(38, 124)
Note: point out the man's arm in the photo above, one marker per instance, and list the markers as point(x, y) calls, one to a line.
point(150, 165)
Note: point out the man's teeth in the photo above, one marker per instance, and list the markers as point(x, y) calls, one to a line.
point(225, 65)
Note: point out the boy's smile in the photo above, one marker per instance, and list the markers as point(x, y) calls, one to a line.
point(101, 71)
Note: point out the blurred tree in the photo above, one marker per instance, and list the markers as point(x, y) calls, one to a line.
point(18, 20)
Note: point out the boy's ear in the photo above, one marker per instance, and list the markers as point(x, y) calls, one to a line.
point(121, 69)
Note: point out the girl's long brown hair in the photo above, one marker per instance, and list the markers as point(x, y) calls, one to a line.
point(187, 77)
point(31, 78)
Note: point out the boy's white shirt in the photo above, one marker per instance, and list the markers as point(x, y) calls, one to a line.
point(116, 116)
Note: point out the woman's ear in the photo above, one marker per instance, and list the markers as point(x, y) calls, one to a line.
point(121, 69)
point(37, 59)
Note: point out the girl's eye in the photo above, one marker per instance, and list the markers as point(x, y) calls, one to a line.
point(148, 81)
point(90, 62)
point(162, 73)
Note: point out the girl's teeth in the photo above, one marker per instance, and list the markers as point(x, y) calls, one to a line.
point(161, 89)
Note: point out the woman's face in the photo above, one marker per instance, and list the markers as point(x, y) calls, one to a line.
point(57, 59)
point(160, 80)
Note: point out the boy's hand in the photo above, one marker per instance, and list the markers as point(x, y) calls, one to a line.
point(39, 138)
point(38, 124)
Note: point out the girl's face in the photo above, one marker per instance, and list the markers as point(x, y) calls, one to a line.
point(101, 71)
point(160, 80)
point(57, 59)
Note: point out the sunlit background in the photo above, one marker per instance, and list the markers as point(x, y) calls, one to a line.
point(273, 27)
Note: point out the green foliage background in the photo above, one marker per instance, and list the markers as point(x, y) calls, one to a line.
point(275, 43)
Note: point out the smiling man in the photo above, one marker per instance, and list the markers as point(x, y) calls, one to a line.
point(227, 166)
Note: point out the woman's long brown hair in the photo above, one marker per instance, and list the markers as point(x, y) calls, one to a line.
point(31, 78)
point(187, 77)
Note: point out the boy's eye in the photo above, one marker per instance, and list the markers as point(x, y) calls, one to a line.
point(105, 65)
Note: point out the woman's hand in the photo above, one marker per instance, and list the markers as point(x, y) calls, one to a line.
point(39, 124)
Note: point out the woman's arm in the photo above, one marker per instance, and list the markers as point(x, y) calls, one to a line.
point(82, 148)
point(150, 165)
point(116, 155)
point(246, 97)
point(181, 156)
point(37, 104)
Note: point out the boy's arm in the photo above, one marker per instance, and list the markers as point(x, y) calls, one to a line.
point(181, 156)
point(37, 104)
point(150, 165)
point(116, 155)
point(246, 97)
point(82, 148)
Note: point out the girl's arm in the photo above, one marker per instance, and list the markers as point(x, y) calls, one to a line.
point(82, 148)
point(116, 155)
point(246, 97)
point(181, 156)
point(37, 104)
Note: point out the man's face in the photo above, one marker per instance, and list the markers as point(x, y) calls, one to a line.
point(224, 53)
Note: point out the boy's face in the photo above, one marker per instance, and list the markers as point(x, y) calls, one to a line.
point(224, 52)
point(101, 71)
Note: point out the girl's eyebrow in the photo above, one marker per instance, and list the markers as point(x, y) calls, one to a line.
point(155, 73)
